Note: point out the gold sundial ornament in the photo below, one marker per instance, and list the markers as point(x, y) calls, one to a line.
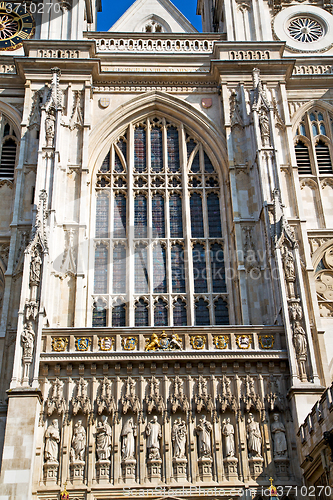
point(16, 25)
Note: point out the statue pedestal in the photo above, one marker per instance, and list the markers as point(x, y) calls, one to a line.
point(77, 471)
point(230, 467)
point(128, 470)
point(103, 471)
point(282, 467)
point(256, 466)
point(205, 468)
point(51, 472)
point(154, 466)
point(179, 468)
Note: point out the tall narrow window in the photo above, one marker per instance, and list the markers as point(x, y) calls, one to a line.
point(99, 314)
point(159, 229)
point(323, 158)
point(101, 269)
point(303, 158)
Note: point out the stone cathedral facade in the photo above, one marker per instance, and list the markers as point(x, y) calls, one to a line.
point(166, 251)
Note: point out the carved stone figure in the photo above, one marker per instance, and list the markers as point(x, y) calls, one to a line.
point(253, 437)
point(264, 127)
point(203, 430)
point(52, 440)
point(27, 340)
point(228, 431)
point(35, 268)
point(49, 129)
point(78, 443)
point(103, 439)
point(128, 434)
point(279, 435)
point(289, 265)
point(154, 434)
point(301, 348)
point(178, 437)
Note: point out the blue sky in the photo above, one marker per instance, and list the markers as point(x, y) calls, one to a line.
point(112, 10)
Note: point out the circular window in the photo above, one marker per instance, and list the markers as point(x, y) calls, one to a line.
point(305, 29)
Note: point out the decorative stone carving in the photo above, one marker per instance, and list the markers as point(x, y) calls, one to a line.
point(103, 439)
point(130, 400)
point(68, 265)
point(235, 112)
point(52, 440)
point(153, 434)
point(163, 342)
point(203, 431)
point(49, 128)
point(76, 120)
point(128, 434)
point(178, 399)
point(227, 399)
point(281, 230)
point(254, 438)
point(77, 453)
point(264, 127)
point(278, 431)
point(250, 398)
point(56, 401)
point(274, 398)
point(81, 401)
point(301, 349)
point(228, 431)
point(27, 342)
point(178, 437)
point(105, 399)
point(154, 400)
point(202, 399)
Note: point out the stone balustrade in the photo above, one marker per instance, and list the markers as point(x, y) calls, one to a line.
point(154, 45)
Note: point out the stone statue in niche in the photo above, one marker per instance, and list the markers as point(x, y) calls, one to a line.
point(35, 268)
point(178, 437)
point(49, 129)
point(301, 348)
point(253, 437)
point(153, 434)
point(264, 127)
point(289, 265)
point(27, 340)
point(203, 431)
point(128, 434)
point(103, 439)
point(52, 440)
point(278, 431)
point(78, 443)
point(228, 431)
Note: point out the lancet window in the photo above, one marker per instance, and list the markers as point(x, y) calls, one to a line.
point(8, 147)
point(313, 143)
point(159, 257)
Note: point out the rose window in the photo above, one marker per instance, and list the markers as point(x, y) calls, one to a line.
point(305, 29)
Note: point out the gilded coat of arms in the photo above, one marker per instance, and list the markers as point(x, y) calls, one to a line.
point(129, 343)
point(105, 343)
point(163, 342)
point(244, 341)
point(82, 343)
point(221, 341)
point(59, 344)
point(266, 341)
point(198, 341)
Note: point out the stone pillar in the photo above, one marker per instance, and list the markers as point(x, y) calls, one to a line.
point(19, 447)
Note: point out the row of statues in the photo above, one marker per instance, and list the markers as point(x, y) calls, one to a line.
point(153, 434)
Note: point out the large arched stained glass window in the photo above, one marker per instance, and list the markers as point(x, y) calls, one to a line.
point(159, 255)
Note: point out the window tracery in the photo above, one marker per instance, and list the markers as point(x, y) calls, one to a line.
point(158, 235)
point(313, 143)
point(8, 149)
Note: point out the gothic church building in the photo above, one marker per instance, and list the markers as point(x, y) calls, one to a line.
point(166, 251)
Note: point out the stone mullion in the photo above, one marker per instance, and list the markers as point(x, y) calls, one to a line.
point(130, 229)
point(141, 442)
point(192, 462)
point(188, 261)
point(206, 236)
point(150, 264)
point(218, 466)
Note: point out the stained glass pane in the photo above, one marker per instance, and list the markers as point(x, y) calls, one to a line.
point(209, 169)
point(119, 269)
point(140, 164)
point(99, 316)
point(119, 316)
point(118, 166)
point(179, 314)
point(217, 268)
point(141, 313)
point(320, 116)
point(173, 149)
point(122, 145)
point(176, 217)
point(140, 216)
point(119, 224)
point(302, 129)
point(158, 216)
point(312, 116)
point(214, 216)
point(221, 312)
point(160, 314)
point(202, 313)
point(177, 269)
point(322, 129)
point(106, 164)
point(199, 269)
point(196, 216)
point(314, 129)
point(159, 269)
point(156, 150)
point(141, 269)
point(195, 167)
point(101, 269)
point(102, 215)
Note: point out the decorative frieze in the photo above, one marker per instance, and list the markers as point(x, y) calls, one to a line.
point(154, 45)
